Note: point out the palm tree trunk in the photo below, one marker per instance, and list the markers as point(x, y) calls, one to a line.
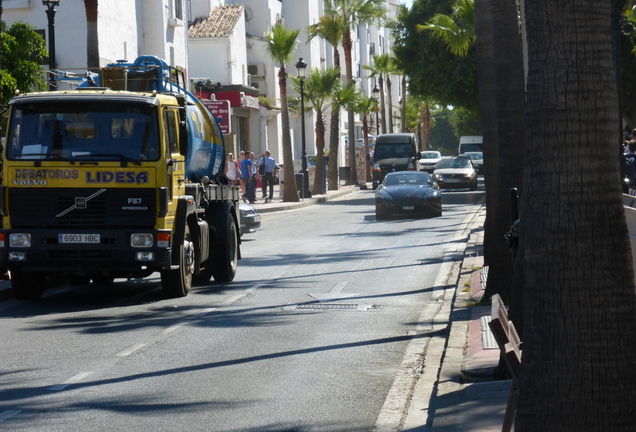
point(390, 103)
point(403, 105)
point(334, 135)
point(290, 192)
point(382, 104)
point(319, 176)
point(578, 369)
point(334, 141)
point(351, 130)
point(367, 166)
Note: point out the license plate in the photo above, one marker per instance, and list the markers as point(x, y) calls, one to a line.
point(408, 207)
point(257, 218)
point(78, 238)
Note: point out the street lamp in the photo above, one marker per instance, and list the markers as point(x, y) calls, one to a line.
point(50, 14)
point(376, 96)
point(301, 67)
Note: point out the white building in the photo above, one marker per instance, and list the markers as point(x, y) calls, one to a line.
point(122, 30)
point(224, 54)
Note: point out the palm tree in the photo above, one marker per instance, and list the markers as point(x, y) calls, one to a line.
point(330, 28)
point(281, 44)
point(366, 106)
point(501, 84)
point(457, 30)
point(319, 88)
point(579, 307)
point(353, 13)
point(380, 69)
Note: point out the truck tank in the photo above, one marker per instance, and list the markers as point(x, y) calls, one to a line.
point(206, 150)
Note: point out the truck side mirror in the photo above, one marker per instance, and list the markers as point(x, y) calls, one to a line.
point(183, 139)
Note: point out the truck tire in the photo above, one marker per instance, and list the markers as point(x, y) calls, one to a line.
point(225, 257)
point(177, 283)
point(27, 285)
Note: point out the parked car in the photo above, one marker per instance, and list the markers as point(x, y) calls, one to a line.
point(428, 160)
point(477, 159)
point(394, 152)
point(411, 193)
point(455, 172)
point(250, 219)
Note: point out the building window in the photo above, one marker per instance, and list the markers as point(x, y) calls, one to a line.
point(177, 9)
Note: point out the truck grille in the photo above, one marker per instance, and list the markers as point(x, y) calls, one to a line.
point(82, 208)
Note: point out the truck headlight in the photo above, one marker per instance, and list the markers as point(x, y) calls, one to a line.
point(20, 240)
point(141, 240)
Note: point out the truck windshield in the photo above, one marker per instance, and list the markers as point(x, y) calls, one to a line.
point(82, 131)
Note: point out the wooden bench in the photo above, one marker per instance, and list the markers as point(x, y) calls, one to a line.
point(509, 343)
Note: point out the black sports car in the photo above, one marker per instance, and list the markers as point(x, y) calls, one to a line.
point(408, 193)
point(250, 219)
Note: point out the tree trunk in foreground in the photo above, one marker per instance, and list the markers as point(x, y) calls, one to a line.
point(579, 357)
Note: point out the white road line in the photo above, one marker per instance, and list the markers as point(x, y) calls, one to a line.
point(72, 380)
point(130, 350)
point(8, 414)
point(419, 358)
point(172, 328)
point(244, 293)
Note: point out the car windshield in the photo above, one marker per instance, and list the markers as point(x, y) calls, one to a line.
point(454, 163)
point(82, 131)
point(430, 156)
point(393, 151)
point(407, 179)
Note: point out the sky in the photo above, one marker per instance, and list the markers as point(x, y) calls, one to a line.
point(407, 3)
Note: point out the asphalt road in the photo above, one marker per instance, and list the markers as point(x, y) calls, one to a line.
point(325, 328)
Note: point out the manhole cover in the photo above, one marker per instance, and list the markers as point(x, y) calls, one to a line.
point(326, 306)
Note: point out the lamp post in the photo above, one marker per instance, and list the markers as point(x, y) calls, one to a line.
point(376, 96)
point(50, 14)
point(301, 67)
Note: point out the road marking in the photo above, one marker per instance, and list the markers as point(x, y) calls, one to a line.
point(167, 331)
point(334, 294)
point(130, 350)
point(8, 414)
point(72, 380)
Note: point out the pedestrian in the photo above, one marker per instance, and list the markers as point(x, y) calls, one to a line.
point(255, 176)
point(269, 168)
point(261, 173)
point(247, 178)
point(232, 170)
point(630, 161)
point(240, 161)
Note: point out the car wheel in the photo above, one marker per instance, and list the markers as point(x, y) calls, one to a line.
point(473, 187)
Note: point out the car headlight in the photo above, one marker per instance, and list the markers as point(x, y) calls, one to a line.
point(383, 196)
point(376, 166)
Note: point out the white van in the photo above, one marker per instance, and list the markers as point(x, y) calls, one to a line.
point(470, 143)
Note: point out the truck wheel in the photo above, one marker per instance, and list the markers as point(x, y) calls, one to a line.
point(27, 286)
point(177, 283)
point(225, 258)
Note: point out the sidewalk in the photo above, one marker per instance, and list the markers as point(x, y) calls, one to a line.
point(466, 399)
point(277, 203)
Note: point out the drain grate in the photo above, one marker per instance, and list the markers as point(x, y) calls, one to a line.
point(326, 306)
